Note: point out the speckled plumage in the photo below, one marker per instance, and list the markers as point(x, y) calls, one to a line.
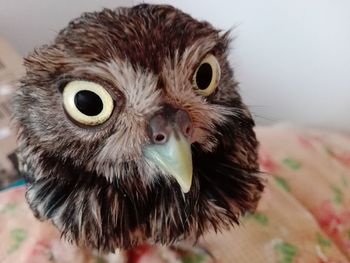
point(94, 183)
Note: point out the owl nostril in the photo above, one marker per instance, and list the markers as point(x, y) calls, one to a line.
point(188, 130)
point(159, 138)
point(184, 122)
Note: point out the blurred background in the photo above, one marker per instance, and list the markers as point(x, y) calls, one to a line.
point(292, 58)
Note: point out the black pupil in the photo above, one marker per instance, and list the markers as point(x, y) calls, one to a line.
point(204, 76)
point(88, 102)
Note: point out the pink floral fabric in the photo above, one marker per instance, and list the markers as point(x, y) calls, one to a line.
point(303, 216)
point(281, 231)
point(313, 167)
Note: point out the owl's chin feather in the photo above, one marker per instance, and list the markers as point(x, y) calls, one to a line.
point(93, 212)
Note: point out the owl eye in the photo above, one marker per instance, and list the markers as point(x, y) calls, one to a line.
point(207, 75)
point(87, 102)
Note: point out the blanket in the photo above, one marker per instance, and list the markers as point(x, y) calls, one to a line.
point(303, 216)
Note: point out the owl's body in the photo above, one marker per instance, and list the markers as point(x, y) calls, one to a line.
point(92, 170)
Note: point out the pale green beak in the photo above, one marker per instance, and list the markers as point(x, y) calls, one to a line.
point(173, 157)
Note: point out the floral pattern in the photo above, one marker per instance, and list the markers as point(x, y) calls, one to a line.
point(313, 166)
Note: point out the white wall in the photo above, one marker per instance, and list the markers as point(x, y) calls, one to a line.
point(29, 23)
point(292, 57)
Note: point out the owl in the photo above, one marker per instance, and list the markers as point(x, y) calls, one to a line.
point(131, 129)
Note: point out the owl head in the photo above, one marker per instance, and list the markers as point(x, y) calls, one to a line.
point(131, 129)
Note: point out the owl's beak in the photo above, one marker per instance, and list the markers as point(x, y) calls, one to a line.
point(175, 158)
point(170, 148)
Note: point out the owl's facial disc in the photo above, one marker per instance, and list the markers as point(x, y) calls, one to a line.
point(170, 149)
